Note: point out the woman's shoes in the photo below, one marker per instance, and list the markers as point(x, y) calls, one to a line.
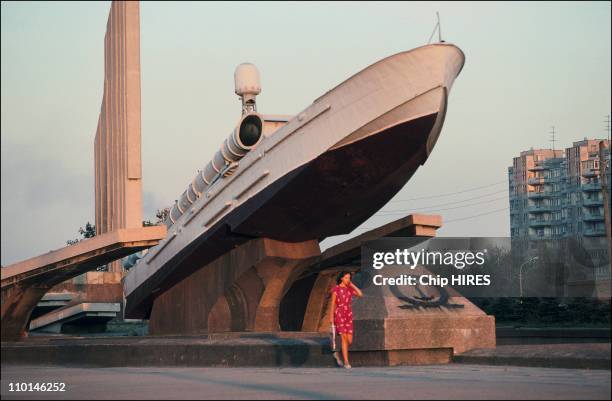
point(338, 360)
point(347, 366)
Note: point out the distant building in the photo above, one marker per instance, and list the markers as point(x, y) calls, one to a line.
point(556, 195)
point(584, 201)
point(531, 196)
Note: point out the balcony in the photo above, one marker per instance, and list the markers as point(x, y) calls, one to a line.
point(572, 187)
point(537, 168)
point(590, 172)
point(551, 179)
point(592, 202)
point(535, 181)
point(541, 194)
point(592, 217)
point(541, 222)
point(591, 187)
point(594, 232)
point(535, 237)
point(541, 208)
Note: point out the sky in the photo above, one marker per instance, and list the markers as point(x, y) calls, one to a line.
point(529, 66)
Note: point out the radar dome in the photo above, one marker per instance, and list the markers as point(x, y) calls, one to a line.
point(246, 80)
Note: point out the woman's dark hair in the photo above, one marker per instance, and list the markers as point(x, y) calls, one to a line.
point(342, 274)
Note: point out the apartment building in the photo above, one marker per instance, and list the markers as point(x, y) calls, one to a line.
point(557, 214)
point(557, 193)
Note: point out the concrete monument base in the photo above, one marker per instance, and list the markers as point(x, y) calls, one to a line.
point(390, 328)
point(426, 356)
point(239, 291)
point(255, 286)
point(387, 319)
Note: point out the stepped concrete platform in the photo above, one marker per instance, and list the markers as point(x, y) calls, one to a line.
point(274, 349)
point(220, 349)
point(551, 335)
point(84, 316)
point(50, 302)
point(571, 356)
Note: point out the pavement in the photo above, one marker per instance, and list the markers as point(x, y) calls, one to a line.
point(406, 382)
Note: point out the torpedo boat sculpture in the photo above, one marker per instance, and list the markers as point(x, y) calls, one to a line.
point(320, 173)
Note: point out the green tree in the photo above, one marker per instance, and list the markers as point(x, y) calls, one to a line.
point(161, 214)
point(88, 232)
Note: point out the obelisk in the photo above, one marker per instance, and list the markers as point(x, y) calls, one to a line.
point(118, 176)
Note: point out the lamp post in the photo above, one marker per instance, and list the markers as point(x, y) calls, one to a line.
point(521, 276)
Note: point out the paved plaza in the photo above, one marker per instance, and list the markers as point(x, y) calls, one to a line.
point(407, 382)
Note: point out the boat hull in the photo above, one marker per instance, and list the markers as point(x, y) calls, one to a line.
point(340, 189)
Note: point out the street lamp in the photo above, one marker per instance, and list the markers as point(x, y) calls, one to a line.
point(521, 276)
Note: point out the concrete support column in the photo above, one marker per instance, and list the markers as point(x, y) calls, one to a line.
point(276, 276)
point(18, 301)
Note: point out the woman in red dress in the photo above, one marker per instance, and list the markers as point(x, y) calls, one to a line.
point(342, 313)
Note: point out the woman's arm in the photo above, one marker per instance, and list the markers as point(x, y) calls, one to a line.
point(357, 290)
point(333, 307)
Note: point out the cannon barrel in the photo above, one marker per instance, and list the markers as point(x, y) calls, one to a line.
point(246, 135)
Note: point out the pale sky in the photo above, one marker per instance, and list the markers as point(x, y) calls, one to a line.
point(528, 66)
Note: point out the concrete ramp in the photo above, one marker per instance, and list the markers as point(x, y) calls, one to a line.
point(25, 283)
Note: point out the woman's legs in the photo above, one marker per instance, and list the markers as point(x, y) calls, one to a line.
point(345, 346)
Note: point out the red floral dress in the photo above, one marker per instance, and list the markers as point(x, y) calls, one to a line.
point(343, 314)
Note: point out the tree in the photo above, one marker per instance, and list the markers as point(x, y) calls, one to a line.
point(88, 232)
point(161, 214)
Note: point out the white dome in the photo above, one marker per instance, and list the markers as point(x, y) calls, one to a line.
point(246, 80)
